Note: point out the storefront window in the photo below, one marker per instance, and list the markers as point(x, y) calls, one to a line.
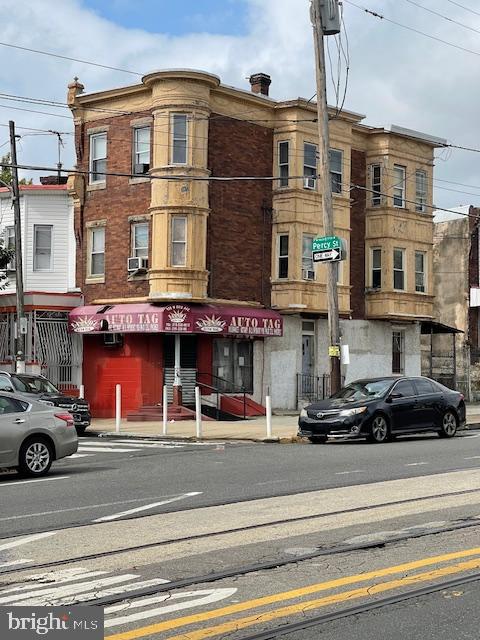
point(233, 365)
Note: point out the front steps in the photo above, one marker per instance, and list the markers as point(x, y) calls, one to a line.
point(154, 413)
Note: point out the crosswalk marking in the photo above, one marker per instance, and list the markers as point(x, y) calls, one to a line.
point(146, 507)
point(81, 455)
point(93, 595)
point(108, 449)
point(49, 581)
point(14, 563)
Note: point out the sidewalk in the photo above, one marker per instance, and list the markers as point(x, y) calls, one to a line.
point(284, 428)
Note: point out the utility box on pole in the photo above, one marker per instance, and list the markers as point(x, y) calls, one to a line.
point(330, 15)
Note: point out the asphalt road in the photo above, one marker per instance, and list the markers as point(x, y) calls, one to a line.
point(114, 476)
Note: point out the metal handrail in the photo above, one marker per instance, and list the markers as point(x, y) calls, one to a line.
point(230, 382)
point(220, 393)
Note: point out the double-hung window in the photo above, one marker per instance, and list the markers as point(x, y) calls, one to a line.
point(178, 246)
point(376, 262)
point(309, 165)
point(283, 255)
point(42, 247)
point(141, 150)
point(283, 168)
point(97, 252)
point(140, 240)
point(10, 244)
point(419, 272)
point(376, 184)
point(398, 186)
point(399, 269)
point(336, 164)
point(421, 191)
point(308, 271)
point(98, 157)
point(179, 138)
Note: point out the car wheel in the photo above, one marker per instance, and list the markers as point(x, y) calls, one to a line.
point(35, 457)
point(379, 430)
point(449, 425)
point(318, 439)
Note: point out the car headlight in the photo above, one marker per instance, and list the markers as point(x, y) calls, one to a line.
point(303, 413)
point(346, 413)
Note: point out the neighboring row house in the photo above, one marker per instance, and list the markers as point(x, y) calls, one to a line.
point(223, 270)
point(48, 250)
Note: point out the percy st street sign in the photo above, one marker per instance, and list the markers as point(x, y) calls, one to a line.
point(328, 249)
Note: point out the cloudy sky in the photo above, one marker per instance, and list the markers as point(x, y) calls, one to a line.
point(396, 75)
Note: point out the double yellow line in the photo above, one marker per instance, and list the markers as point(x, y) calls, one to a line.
point(290, 610)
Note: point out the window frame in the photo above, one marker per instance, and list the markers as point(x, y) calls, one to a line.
point(376, 185)
point(336, 173)
point(173, 117)
point(282, 257)
point(399, 186)
point(421, 195)
point(133, 246)
point(135, 152)
point(399, 335)
point(309, 176)
point(35, 265)
point(283, 181)
point(173, 242)
point(310, 258)
point(402, 270)
point(91, 252)
point(374, 269)
point(423, 273)
point(92, 160)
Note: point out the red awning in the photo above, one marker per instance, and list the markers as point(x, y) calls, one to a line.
point(176, 318)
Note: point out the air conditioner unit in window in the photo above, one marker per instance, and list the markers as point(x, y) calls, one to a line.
point(141, 169)
point(137, 264)
point(113, 339)
point(308, 275)
point(310, 182)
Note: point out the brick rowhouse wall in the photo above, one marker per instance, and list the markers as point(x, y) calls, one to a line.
point(473, 275)
point(115, 204)
point(239, 241)
point(357, 236)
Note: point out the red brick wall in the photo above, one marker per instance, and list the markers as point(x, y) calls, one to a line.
point(357, 236)
point(115, 203)
point(239, 227)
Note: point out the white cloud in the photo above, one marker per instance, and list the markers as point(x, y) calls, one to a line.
point(396, 75)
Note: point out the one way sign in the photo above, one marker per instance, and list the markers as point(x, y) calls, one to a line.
point(333, 255)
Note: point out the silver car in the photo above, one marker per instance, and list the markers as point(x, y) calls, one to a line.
point(33, 435)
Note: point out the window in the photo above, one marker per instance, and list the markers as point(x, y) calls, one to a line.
point(97, 251)
point(404, 387)
point(42, 247)
point(309, 165)
point(140, 240)
point(179, 138)
point(336, 164)
point(283, 256)
point(233, 364)
point(10, 244)
point(141, 149)
point(98, 157)
point(420, 191)
point(6, 384)
point(178, 255)
point(398, 269)
point(376, 184)
point(376, 268)
point(424, 386)
point(283, 169)
point(308, 272)
point(398, 351)
point(398, 186)
point(10, 405)
point(419, 272)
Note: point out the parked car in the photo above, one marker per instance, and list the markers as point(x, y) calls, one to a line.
point(380, 408)
point(33, 435)
point(38, 388)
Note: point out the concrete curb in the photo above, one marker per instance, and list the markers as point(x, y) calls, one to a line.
point(186, 439)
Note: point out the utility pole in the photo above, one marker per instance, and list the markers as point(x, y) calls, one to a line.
point(21, 320)
point(322, 15)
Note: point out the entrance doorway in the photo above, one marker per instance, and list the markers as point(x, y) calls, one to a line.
point(308, 358)
point(188, 366)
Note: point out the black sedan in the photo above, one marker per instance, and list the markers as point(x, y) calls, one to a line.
point(381, 408)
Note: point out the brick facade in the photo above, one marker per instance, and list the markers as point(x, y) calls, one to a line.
point(357, 236)
point(239, 242)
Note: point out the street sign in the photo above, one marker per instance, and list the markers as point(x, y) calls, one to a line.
point(328, 249)
point(334, 351)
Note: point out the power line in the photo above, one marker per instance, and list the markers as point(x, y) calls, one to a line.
point(404, 26)
point(57, 55)
point(440, 15)
point(464, 7)
point(44, 113)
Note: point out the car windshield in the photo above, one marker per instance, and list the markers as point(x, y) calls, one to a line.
point(363, 389)
point(27, 384)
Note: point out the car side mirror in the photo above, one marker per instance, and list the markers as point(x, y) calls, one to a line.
point(394, 396)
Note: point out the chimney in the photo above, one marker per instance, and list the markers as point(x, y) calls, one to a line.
point(260, 83)
point(47, 180)
point(74, 89)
